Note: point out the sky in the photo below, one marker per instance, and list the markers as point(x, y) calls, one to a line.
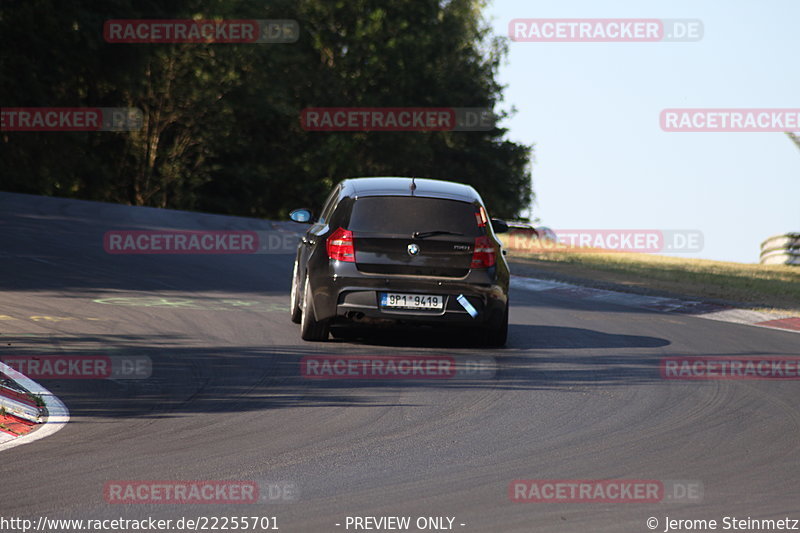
point(592, 111)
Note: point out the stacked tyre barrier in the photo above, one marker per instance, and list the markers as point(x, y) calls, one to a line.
point(781, 250)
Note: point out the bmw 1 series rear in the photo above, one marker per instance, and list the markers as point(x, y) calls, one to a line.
point(401, 251)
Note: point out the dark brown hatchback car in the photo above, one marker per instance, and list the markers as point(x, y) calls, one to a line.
point(401, 250)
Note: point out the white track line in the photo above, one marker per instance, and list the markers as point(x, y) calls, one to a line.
point(57, 413)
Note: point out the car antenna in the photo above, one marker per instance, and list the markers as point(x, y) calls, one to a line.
point(413, 186)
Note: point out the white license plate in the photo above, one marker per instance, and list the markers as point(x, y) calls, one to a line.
point(396, 300)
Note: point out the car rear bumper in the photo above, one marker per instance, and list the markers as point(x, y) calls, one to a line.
point(349, 295)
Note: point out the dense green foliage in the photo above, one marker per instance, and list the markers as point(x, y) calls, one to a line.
point(222, 130)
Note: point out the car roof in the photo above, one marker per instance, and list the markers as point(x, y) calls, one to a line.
point(401, 186)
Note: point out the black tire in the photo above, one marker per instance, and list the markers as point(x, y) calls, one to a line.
point(294, 297)
point(311, 329)
point(496, 335)
point(344, 333)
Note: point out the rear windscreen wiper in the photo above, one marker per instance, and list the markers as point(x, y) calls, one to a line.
point(423, 234)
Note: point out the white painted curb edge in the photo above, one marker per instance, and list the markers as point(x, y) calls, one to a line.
point(57, 413)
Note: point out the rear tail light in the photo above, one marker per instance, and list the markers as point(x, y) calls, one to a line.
point(480, 217)
point(340, 246)
point(483, 256)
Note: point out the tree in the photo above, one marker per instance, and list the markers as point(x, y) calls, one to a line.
point(795, 138)
point(222, 129)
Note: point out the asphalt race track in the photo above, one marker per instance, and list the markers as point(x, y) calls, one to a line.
point(576, 395)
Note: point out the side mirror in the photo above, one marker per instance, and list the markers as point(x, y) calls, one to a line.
point(301, 215)
point(499, 226)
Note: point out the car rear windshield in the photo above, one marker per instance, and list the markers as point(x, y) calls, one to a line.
point(406, 215)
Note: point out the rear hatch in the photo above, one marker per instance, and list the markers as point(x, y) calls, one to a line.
point(408, 235)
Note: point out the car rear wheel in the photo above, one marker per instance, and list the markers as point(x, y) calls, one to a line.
point(294, 304)
point(495, 336)
point(344, 333)
point(311, 329)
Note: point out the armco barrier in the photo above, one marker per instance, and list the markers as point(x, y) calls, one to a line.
point(781, 250)
point(19, 406)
